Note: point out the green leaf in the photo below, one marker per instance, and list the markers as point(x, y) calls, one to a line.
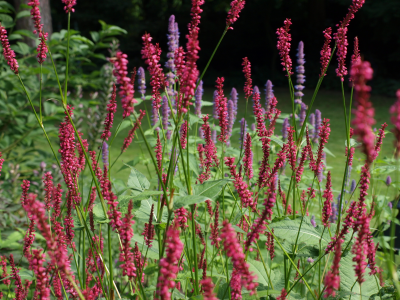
point(326, 150)
point(24, 13)
point(5, 18)
point(25, 32)
point(151, 269)
point(137, 181)
point(348, 277)
point(98, 213)
point(207, 103)
point(276, 140)
point(7, 5)
point(258, 269)
point(181, 201)
point(287, 230)
point(193, 164)
point(210, 189)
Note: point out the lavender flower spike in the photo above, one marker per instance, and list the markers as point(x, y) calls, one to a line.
point(303, 113)
point(104, 154)
point(300, 72)
point(165, 116)
point(388, 180)
point(243, 130)
point(141, 81)
point(215, 111)
point(269, 94)
point(318, 122)
point(234, 98)
point(231, 119)
point(353, 186)
point(255, 90)
point(312, 221)
point(311, 120)
point(172, 43)
point(198, 98)
point(285, 126)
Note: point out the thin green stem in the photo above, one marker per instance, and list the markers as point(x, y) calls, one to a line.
point(67, 58)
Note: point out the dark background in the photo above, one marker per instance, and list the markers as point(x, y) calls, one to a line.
point(377, 25)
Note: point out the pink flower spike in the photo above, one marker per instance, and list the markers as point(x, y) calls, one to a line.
point(210, 151)
point(283, 295)
point(395, 119)
point(222, 110)
point(69, 5)
point(324, 136)
point(25, 188)
point(332, 278)
point(381, 136)
point(356, 55)
point(248, 157)
point(327, 209)
point(19, 289)
point(1, 162)
point(8, 54)
point(234, 251)
point(284, 39)
point(184, 131)
point(363, 119)
point(169, 264)
point(126, 233)
point(127, 91)
point(233, 13)
point(48, 183)
point(111, 110)
point(245, 195)
point(326, 51)
point(208, 289)
point(131, 134)
point(248, 88)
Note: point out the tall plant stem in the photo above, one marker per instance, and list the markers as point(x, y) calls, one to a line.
point(196, 270)
point(110, 264)
point(40, 93)
point(67, 58)
point(211, 57)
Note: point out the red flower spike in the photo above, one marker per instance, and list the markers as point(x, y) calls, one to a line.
point(332, 278)
point(283, 45)
point(131, 134)
point(233, 13)
point(326, 51)
point(248, 88)
point(327, 209)
point(111, 110)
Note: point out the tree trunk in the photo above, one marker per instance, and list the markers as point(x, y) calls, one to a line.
point(27, 23)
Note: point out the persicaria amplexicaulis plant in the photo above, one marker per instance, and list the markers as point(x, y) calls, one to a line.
point(218, 216)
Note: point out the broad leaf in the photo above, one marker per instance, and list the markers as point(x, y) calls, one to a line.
point(348, 277)
point(137, 180)
point(210, 189)
point(181, 201)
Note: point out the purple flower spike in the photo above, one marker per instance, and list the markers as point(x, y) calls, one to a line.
point(165, 116)
point(303, 112)
point(141, 81)
point(300, 72)
point(390, 204)
point(253, 127)
point(318, 122)
point(104, 154)
point(243, 130)
point(234, 98)
point(154, 117)
point(269, 93)
point(312, 221)
point(198, 98)
point(231, 119)
point(388, 180)
point(285, 126)
point(353, 186)
point(215, 110)
point(201, 133)
point(172, 43)
point(214, 136)
point(310, 260)
point(255, 90)
point(311, 120)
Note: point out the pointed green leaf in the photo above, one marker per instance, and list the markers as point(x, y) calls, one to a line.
point(181, 201)
point(137, 180)
point(210, 189)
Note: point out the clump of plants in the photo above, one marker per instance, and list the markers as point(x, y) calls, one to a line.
point(222, 218)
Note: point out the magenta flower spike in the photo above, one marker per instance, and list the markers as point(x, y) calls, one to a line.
point(327, 209)
point(8, 54)
point(326, 51)
point(69, 5)
point(233, 13)
point(283, 45)
point(332, 278)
